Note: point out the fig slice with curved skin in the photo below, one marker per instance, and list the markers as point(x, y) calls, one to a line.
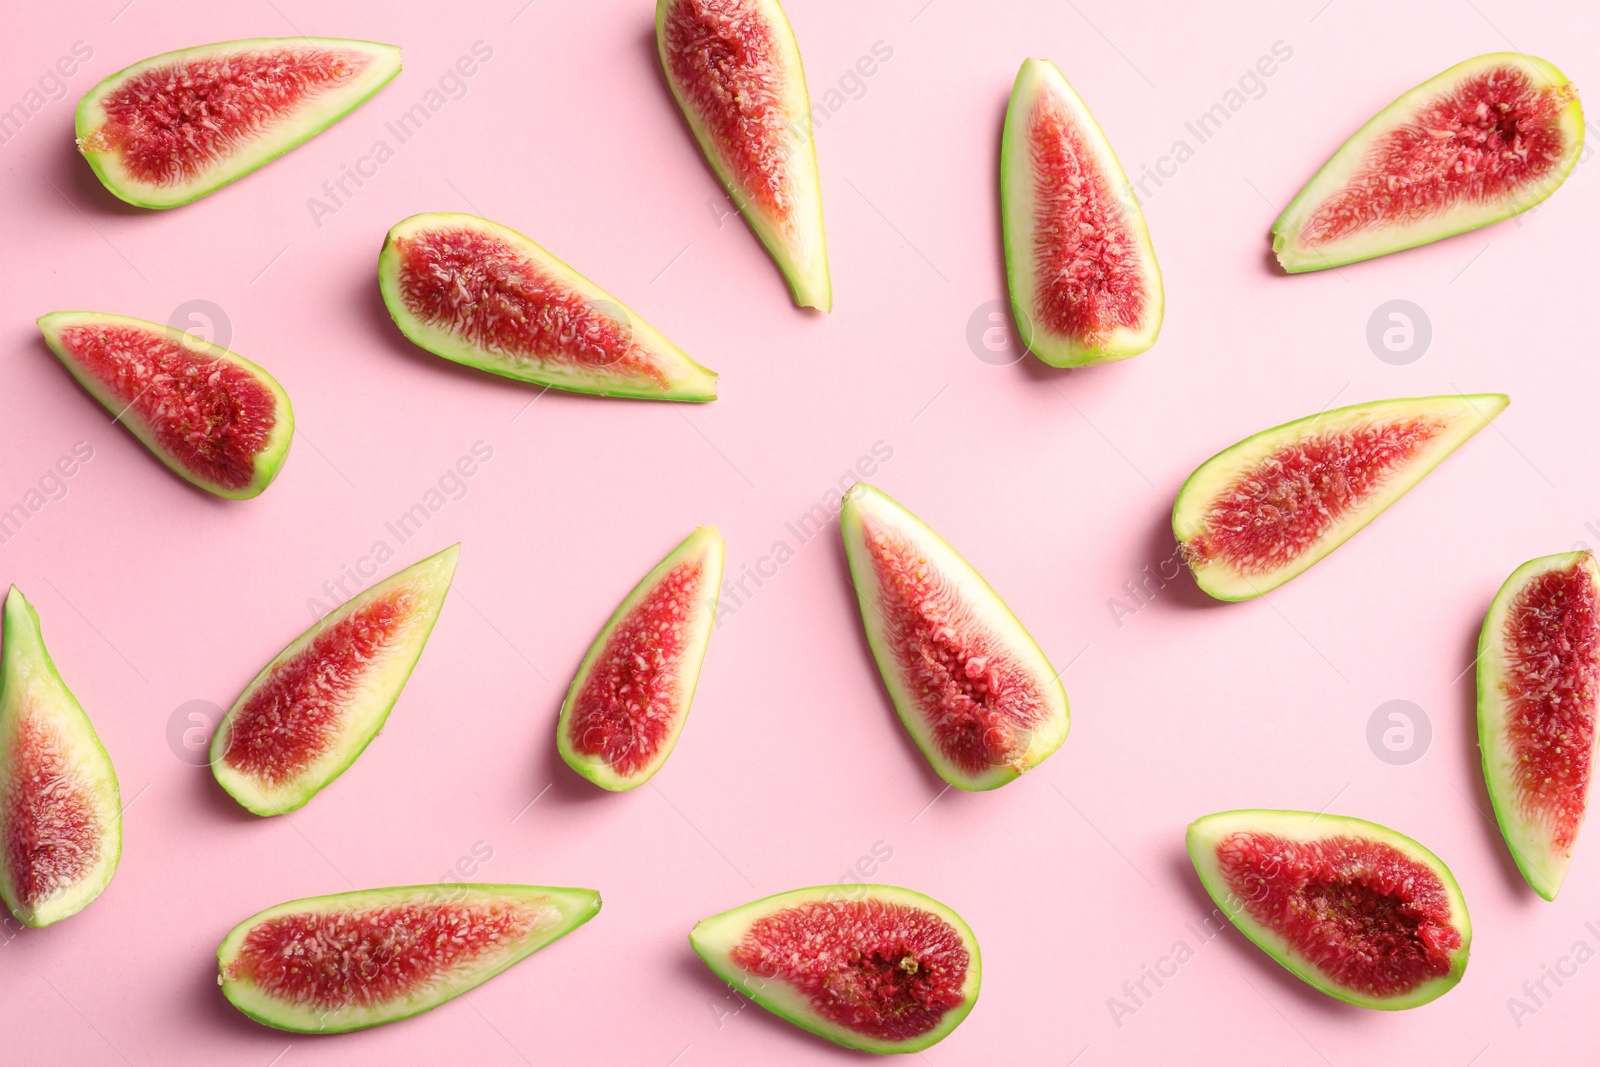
point(734, 69)
point(305, 718)
point(1356, 910)
point(871, 967)
point(1085, 287)
point(1538, 689)
point(482, 294)
point(631, 696)
point(174, 127)
point(970, 684)
point(349, 961)
point(60, 809)
point(1262, 511)
point(1487, 139)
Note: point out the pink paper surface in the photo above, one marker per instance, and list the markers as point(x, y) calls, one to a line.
point(793, 768)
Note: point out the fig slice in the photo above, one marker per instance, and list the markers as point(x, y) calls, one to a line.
point(174, 127)
point(1538, 685)
point(1085, 287)
point(60, 809)
point(349, 961)
point(1487, 139)
point(871, 967)
point(1264, 510)
point(630, 698)
point(734, 69)
point(214, 418)
point(305, 718)
point(973, 688)
point(481, 294)
point(1357, 910)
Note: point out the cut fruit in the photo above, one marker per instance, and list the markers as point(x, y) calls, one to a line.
point(1486, 140)
point(327, 965)
point(216, 419)
point(871, 967)
point(1255, 515)
point(977, 694)
point(734, 68)
point(1084, 283)
point(631, 696)
point(477, 293)
point(60, 810)
point(1355, 909)
point(310, 712)
point(177, 126)
point(1538, 686)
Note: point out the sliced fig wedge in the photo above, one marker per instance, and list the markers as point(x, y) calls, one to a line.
point(978, 696)
point(872, 967)
point(631, 696)
point(174, 127)
point(1538, 687)
point(477, 293)
point(1085, 287)
point(214, 418)
point(1487, 139)
point(60, 810)
point(1264, 510)
point(734, 68)
point(328, 965)
point(305, 718)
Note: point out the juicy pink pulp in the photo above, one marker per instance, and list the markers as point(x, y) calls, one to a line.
point(975, 695)
point(1281, 507)
point(1551, 644)
point(173, 122)
point(297, 711)
point(887, 971)
point(1087, 259)
point(634, 693)
point(727, 62)
point(211, 416)
point(52, 831)
point(367, 957)
point(1365, 914)
point(1493, 135)
point(490, 294)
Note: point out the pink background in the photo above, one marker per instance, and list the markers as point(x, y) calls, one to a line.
point(1056, 485)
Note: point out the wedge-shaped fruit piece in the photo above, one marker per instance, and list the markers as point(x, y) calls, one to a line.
point(978, 695)
point(475, 292)
point(1486, 140)
point(872, 967)
point(1538, 687)
point(311, 711)
point(326, 965)
point(1257, 514)
point(631, 696)
point(216, 419)
point(1359, 911)
point(60, 811)
point(734, 68)
point(1084, 283)
point(174, 127)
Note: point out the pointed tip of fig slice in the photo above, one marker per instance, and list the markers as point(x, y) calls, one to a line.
point(57, 784)
point(973, 688)
point(177, 126)
point(1240, 542)
point(631, 696)
point(313, 710)
point(217, 420)
point(1510, 123)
